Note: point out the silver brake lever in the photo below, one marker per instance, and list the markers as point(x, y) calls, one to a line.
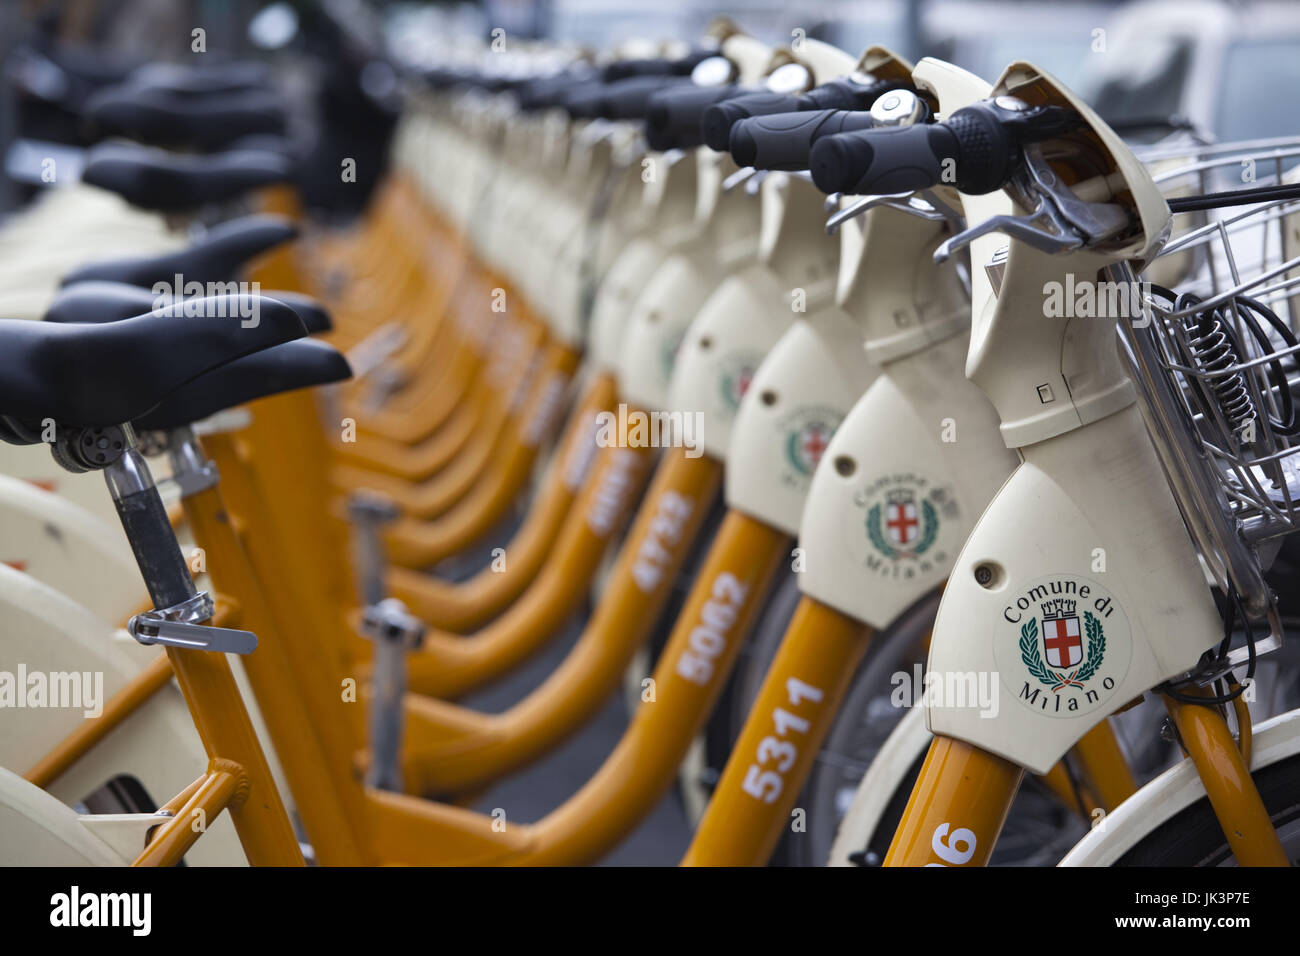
point(831, 204)
point(671, 157)
point(951, 213)
point(903, 202)
point(1017, 227)
point(1096, 221)
point(1059, 222)
point(738, 177)
point(755, 182)
point(596, 131)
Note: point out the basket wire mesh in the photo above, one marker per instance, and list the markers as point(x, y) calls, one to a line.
point(1215, 357)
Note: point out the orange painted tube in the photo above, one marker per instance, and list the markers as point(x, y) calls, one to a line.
point(463, 606)
point(444, 490)
point(475, 298)
point(306, 763)
point(425, 402)
point(776, 749)
point(414, 463)
point(173, 839)
point(1228, 784)
point(489, 499)
point(1058, 781)
point(451, 749)
point(726, 598)
point(227, 732)
point(957, 807)
point(1104, 769)
point(449, 665)
point(440, 493)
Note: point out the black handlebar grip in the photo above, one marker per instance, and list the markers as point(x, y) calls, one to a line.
point(627, 99)
point(889, 159)
point(660, 66)
point(547, 91)
point(623, 69)
point(672, 117)
point(582, 100)
point(987, 147)
point(785, 140)
point(716, 124)
point(848, 94)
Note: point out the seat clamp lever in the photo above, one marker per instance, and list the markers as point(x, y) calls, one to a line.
point(178, 626)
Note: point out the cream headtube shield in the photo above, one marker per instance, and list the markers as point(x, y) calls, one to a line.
point(1048, 374)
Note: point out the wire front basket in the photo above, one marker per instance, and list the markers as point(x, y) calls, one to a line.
point(1215, 354)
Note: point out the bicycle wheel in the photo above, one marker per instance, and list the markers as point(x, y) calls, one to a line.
point(1193, 837)
point(866, 719)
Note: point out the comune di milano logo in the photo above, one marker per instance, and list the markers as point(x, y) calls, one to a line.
point(1062, 645)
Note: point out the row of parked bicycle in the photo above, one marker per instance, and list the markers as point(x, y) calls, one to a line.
point(915, 453)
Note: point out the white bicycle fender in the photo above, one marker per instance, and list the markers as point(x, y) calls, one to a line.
point(1173, 791)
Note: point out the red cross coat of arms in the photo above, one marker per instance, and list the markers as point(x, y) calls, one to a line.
point(1063, 641)
point(902, 523)
point(812, 442)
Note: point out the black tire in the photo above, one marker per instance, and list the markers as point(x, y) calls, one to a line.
point(1192, 837)
point(758, 653)
point(863, 724)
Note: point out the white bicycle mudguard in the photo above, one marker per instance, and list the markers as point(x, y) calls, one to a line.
point(48, 642)
point(887, 774)
point(722, 348)
point(35, 464)
point(68, 548)
point(41, 831)
point(1079, 587)
point(589, 165)
point(1174, 790)
point(669, 197)
point(791, 242)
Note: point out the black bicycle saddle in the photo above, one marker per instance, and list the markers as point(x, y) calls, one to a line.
point(95, 375)
point(167, 182)
point(166, 116)
point(214, 258)
point(99, 301)
point(233, 77)
point(284, 368)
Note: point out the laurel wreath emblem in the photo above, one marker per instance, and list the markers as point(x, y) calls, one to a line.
point(929, 531)
point(729, 392)
point(1054, 679)
point(792, 453)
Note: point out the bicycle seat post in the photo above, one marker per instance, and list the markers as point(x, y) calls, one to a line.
point(393, 630)
point(178, 621)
